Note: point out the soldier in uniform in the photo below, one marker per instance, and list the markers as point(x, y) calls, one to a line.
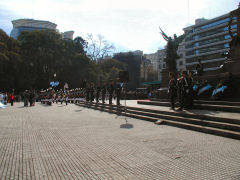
point(118, 93)
point(91, 91)
point(199, 67)
point(98, 90)
point(87, 92)
point(172, 89)
point(178, 85)
point(103, 92)
point(183, 91)
point(110, 91)
point(190, 94)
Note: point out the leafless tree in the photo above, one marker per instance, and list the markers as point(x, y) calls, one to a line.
point(98, 48)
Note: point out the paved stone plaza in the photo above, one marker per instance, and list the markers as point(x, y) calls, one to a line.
point(71, 142)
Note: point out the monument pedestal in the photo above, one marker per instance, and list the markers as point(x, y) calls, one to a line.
point(232, 67)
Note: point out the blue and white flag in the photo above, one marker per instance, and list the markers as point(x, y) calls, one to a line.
point(56, 83)
point(221, 89)
point(195, 87)
point(203, 89)
point(52, 83)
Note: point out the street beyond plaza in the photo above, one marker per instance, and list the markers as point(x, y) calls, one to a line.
point(72, 142)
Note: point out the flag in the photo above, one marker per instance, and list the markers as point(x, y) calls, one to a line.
point(205, 88)
point(221, 89)
point(52, 83)
point(195, 87)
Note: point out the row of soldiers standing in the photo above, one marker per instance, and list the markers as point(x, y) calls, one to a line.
point(100, 90)
point(182, 88)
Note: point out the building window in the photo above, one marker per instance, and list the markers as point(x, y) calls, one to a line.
point(164, 66)
point(196, 52)
point(160, 67)
point(180, 63)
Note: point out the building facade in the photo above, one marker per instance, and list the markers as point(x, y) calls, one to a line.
point(181, 61)
point(207, 40)
point(157, 61)
point(20, 25)
point(68, 35)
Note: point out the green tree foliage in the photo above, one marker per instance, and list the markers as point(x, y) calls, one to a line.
point(10, 60)
point(33, 59)
point(110, 69)
point(133, 67)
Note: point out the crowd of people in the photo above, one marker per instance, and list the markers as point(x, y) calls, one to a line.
point(7, 98)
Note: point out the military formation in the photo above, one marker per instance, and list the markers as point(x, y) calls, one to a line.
point(104, 91)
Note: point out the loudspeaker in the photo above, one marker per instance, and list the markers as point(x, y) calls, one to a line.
point(123, 76)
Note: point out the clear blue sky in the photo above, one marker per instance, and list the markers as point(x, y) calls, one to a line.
point(129, 24)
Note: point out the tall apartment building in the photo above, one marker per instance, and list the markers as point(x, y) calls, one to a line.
point(208, 39)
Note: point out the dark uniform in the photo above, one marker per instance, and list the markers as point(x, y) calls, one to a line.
point(199, 68)
point(172, 91)
point(98, 90)
point(191, 93)
point(91, 91)
point(118, 93)
point(183, 91)
point(110, 91)
point(103, 93)
point(87, 93)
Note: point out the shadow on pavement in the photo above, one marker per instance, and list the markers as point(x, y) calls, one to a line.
point(126, 126)
point(22, 106)
point(78, 110)
point(45, 105)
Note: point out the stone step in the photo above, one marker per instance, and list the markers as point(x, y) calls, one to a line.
point(227, 103)
point(212, 107)
point(170, 120)
point(189, 115)
point(209, 130)
point(202, 122)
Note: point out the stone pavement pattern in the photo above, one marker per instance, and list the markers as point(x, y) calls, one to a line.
point(71, 142)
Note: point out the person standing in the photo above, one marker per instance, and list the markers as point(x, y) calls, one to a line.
point(103, 92)
point(118, 93)
point(87, 92)
point(66, 99)
point(184, 90)
point(110, 91)
point(199, 67)
point(91, 92)
point(11, 96)
point(172, 89)
point(98, 90)
point(26, 98)
point(191, 93)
